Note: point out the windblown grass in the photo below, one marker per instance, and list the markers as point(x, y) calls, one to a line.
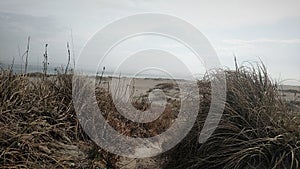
point(39, 127)
point(256, 130)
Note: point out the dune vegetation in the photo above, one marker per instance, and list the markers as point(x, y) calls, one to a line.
point(39, 127)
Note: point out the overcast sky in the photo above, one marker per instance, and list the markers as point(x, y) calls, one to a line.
point(250, 29)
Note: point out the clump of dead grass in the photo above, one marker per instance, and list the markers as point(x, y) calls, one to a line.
point(255, 131)
point(38, 124)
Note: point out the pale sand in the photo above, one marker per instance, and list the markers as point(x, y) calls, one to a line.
point(290, 93)
point(140, 85)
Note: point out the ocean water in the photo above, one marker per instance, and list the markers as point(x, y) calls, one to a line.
point(18, 69)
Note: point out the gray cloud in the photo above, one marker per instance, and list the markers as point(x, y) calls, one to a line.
point(15, 28)
point(251, 28)
point(37, 26)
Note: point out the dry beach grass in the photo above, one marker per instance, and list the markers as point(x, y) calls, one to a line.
point(256, 130)
point(39, 127)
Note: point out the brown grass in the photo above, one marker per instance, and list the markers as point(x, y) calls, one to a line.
point(256, 130)
point(39, 127)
